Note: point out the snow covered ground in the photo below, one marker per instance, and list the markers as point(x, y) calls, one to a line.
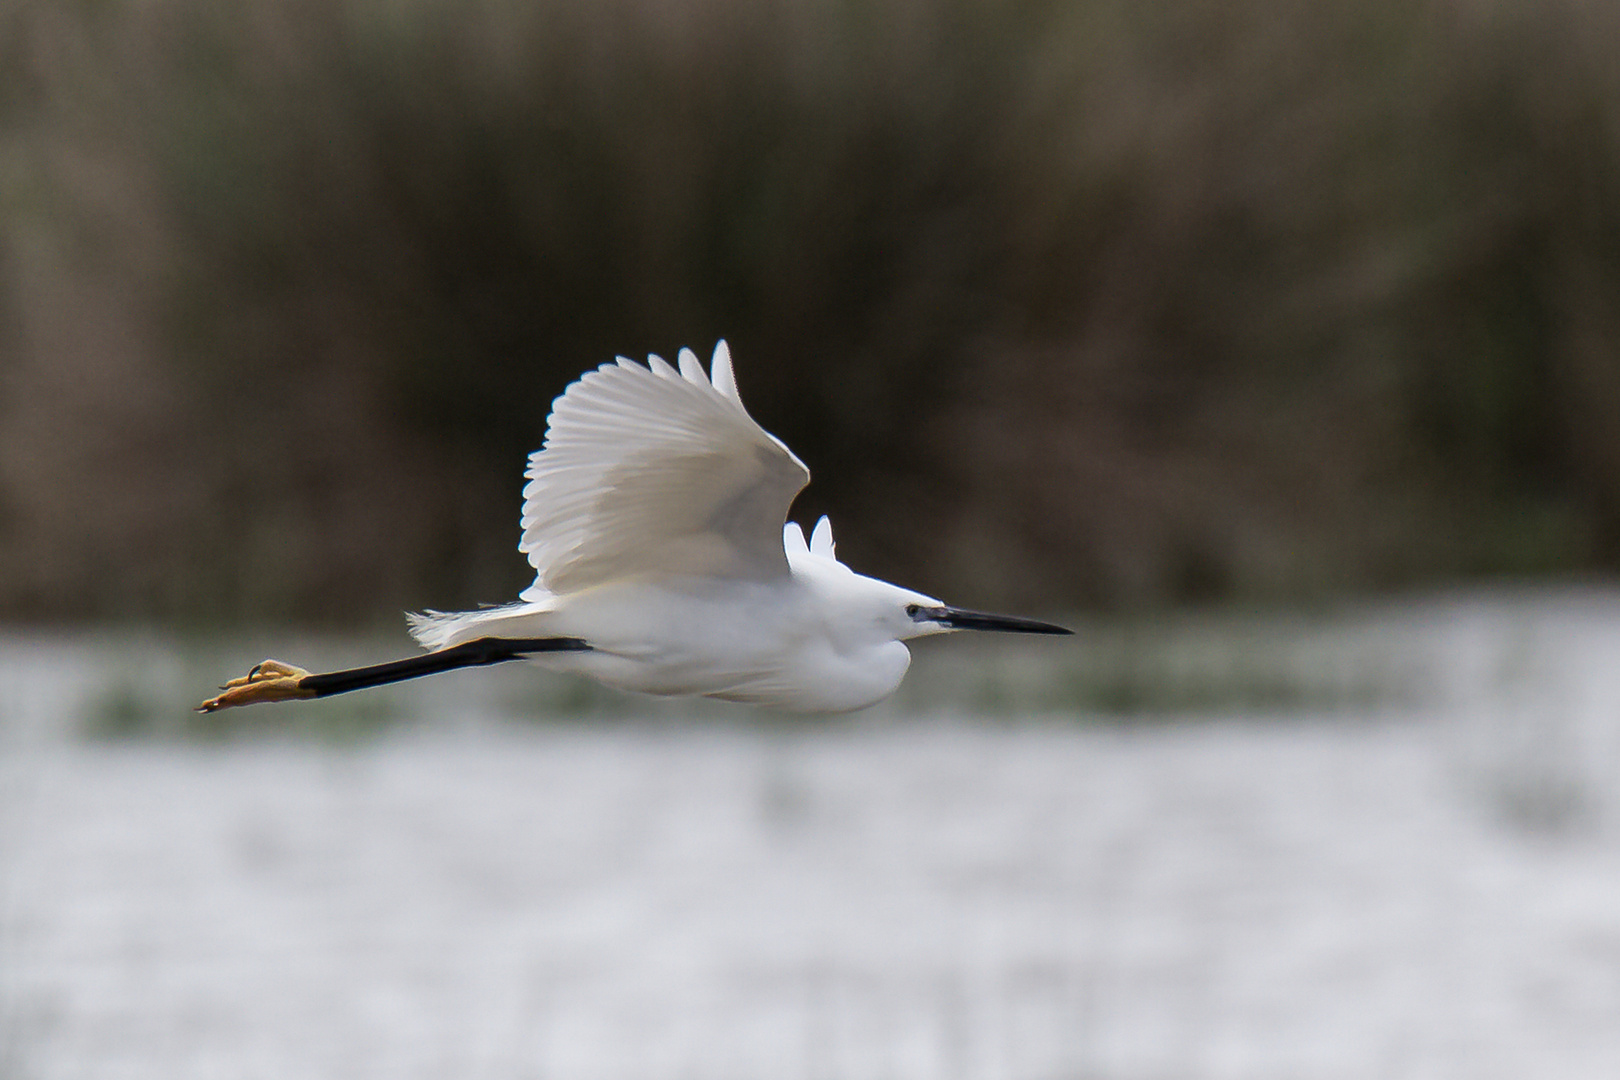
point(1427, 887)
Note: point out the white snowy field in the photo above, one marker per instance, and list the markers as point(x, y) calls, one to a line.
point(1418, 881)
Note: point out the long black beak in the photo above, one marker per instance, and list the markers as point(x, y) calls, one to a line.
point(961, 619)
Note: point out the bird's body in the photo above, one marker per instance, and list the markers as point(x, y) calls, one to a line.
point(789, 643)
point(653, 518)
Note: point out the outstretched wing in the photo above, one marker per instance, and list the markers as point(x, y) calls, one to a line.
point(648, 471)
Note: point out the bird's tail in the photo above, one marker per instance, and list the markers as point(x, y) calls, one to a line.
point(446, 629)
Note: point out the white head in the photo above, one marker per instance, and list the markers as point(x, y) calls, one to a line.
point(869, 610)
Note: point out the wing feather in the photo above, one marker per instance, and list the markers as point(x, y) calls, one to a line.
point(646, 470)
point(691, 369)
point(821, 540)
point(721, 374)
point(793, 540)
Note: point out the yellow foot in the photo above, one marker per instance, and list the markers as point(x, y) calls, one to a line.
point(268, 681)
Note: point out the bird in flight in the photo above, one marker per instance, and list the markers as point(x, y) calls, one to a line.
point(654, 519)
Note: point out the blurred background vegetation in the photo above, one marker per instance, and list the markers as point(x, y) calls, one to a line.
point(1116, 303)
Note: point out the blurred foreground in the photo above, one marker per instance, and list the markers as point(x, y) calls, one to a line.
point(1236, 862)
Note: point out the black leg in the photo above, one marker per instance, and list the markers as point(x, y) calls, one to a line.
point(469, 654)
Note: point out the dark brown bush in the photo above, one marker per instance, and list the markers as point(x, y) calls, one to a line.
point(1063, 303)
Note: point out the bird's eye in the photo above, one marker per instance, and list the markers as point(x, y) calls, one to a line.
point(912, 609)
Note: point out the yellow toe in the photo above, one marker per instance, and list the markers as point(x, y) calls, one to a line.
point(270, 680)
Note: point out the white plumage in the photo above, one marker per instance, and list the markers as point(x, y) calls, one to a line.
point(654, 519)
point(648, 471)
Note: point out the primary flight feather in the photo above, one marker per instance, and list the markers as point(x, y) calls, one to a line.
point(646, 469)
point(654, 519)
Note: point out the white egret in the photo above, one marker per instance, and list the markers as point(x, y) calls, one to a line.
point(653, 517)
